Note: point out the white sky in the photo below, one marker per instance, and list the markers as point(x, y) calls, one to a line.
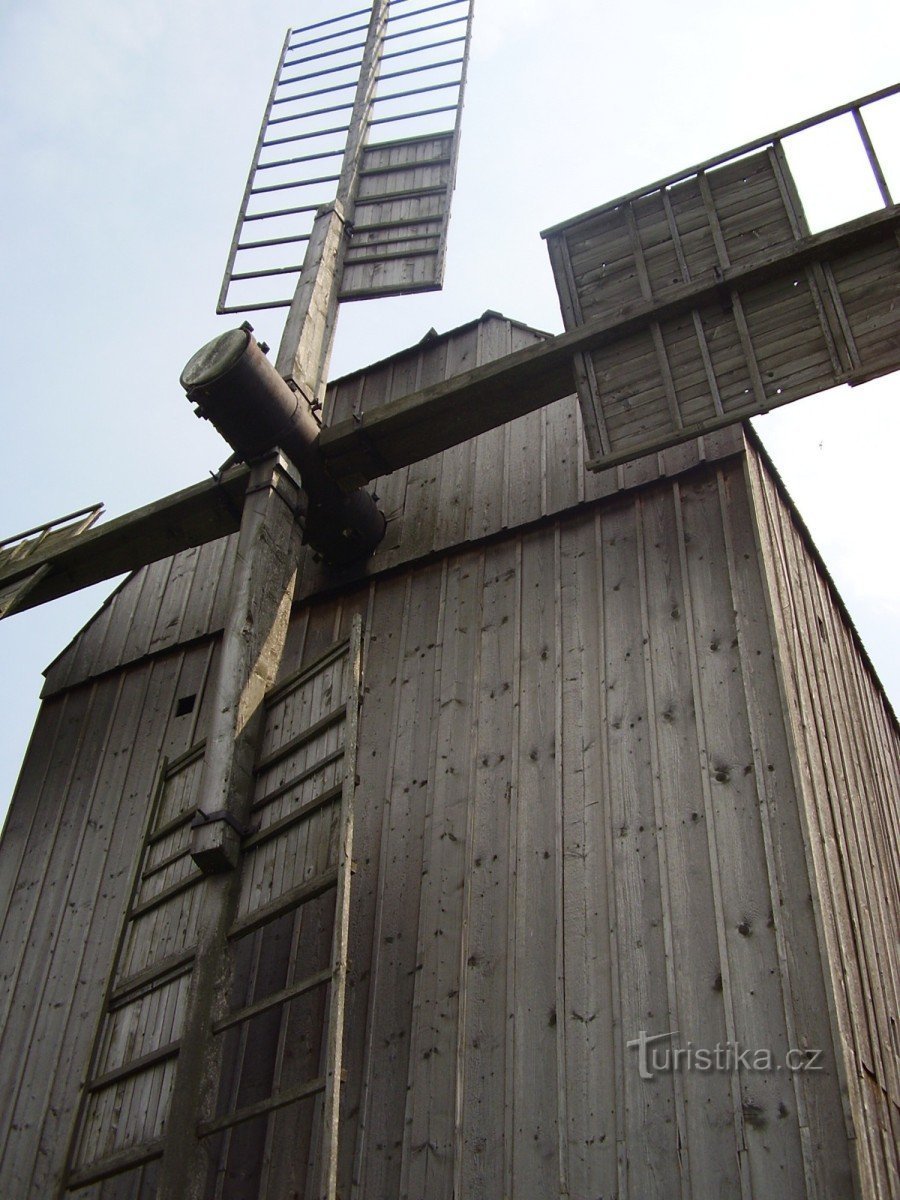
point(125, 136)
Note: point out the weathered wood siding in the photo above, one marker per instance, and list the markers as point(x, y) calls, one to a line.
point(168, 603)
point(622, 767)
point(581, 820)
point(69, 852)
point(847, 770)
point(524, 471)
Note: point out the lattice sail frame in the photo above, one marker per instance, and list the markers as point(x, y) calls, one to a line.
point(398, 238)
point(762, 337)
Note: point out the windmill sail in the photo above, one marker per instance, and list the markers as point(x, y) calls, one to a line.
point(407, 166)
point(792, 314)
point(25, 558)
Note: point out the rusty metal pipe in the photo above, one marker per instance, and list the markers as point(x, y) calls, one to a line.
point(235, 387)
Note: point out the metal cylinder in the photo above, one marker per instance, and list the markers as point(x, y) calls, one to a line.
point(235, 387)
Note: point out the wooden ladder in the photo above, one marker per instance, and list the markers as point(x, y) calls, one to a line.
point(273, 1031)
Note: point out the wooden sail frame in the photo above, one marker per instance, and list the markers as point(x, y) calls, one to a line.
point(398, 239)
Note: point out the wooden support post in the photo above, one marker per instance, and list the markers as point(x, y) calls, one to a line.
point(306, 342)
point(309, 332)
point(252, 645)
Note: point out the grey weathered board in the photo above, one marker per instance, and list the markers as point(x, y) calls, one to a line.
point(399, 237)
point(25, 558)
point(605, 760)
point(279, 1027)
point(753, 347)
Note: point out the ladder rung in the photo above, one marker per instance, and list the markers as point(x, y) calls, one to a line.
point(257, 307)
point(168, 893)
point(319, 765)
point(400, 241)
point(282, 212)
point(401, 223)
point(330, 37)
point(294, 818)
point(115, 1164)
point(301, 894)
point(153, 976)
point(313, 731)
point(438, 189)
point(400, 256)
point(170, 826)
point(273, 1001)
point(413, 116)
point(165, 862)
point(185, 760)
point(305, 137)
point(432, 87)
point(279, 1100)
point(447, 62)
point(293, 681)
point(313, 112)
point(359, 12)
point(268, 272)
point(300, 237)
point(297, 183)
point(405, 33)
point(421, 49)
point(393, 168)
point(298, 62)
point(354, 66)
point(150, 1059)
point(418, 12)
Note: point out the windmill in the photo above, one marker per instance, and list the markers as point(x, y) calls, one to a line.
point(676, 299)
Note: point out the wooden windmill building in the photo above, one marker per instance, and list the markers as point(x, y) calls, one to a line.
point(586, 762)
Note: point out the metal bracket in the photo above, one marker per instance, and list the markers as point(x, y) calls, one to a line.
point(222, 814)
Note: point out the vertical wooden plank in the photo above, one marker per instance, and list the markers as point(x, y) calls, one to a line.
point(428, 1143)
point(400, 875)
point(772, 1146)
point(28, 923)
point(20, 827)
point(482, 1035)
point(173, 604)
point(843, 782)
point(456, 464)
point(709, 1150)
point(848, 1020)
point(210, 563)
point(562, 475)
point(486, 503)
point(509, 1081)
point(592, 1056)
point(818, 1107)
point(533, 1008)
point(651, 1161)
point(339, 953)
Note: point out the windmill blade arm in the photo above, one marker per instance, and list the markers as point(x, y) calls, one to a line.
point(423, 423)
point(198, 514)
point(445, 414)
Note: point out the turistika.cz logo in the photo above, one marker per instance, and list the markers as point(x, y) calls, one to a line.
point(658, 1055)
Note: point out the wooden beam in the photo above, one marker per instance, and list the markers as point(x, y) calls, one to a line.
point(191, 517)
point(425, 422)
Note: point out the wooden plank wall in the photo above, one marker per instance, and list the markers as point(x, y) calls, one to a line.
point(754, 347)
point(69, 847)
point(578, 819)
point(582, 813)
point(848, 768)
point(166, 604)
point(520, 472)
point(494, 482)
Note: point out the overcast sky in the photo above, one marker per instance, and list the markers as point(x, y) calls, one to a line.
point(126, 133)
